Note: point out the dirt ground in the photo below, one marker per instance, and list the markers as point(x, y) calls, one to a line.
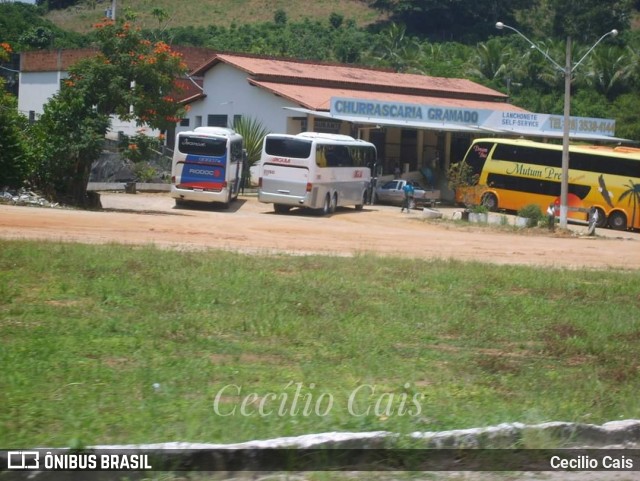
point(249, 226)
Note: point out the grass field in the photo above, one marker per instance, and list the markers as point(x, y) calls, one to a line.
point(116, 344)
point(215, 12)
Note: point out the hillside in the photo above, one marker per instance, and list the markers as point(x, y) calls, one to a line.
point(214, 12)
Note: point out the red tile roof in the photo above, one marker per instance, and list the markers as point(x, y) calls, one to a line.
point(284, 71)
point(61, 60)
point(319, 98)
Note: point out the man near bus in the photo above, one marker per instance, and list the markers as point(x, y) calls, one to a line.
point(408, 196)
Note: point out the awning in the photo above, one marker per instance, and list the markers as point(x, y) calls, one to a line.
point(443, 126)
point(453, 127)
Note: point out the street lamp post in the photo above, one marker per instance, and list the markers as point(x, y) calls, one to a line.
point(567, 70)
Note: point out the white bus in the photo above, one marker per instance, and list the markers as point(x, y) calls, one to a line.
point(207, 165)
point(315, 171)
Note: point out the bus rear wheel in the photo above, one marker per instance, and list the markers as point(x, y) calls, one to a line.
point(364, 201)
point(227, 202)
point(334, 203)
point(281, 209)
point(326, 207)
point(618, 221)
point(490, 201)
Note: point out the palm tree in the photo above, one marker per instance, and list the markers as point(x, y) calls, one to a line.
point(490, 60)
point(633, 192)
point(253, 133)
point(396, 50)
point(609, 71)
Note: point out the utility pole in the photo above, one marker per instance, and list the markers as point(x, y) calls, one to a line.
point(111, 12)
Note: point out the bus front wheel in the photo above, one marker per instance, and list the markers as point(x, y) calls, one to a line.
point(618, 221)
point(602, 218)
point(490, 201)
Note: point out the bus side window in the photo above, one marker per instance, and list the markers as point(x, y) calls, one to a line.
point(330, 154)
point(338, 156)
point(321, 158)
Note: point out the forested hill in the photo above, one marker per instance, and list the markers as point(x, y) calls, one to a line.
point(460, 21)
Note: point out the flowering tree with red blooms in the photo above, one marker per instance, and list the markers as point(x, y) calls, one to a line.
point(14, 148)
point(130, 77)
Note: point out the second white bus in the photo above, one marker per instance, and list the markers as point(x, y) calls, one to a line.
point(207, 165)
point(316, 171)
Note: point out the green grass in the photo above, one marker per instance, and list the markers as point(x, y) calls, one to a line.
point(216, 12)
point(86, 332)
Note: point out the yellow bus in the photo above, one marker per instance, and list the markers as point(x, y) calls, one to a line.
point(512, 173)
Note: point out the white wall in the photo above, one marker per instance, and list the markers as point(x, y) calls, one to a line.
point(36, 88)
point(229, 93)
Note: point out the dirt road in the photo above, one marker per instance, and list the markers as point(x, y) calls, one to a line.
point(249, 226)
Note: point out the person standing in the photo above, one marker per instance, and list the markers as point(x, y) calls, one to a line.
point(408, 197)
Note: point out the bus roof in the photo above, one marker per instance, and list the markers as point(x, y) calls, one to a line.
point(321, 136)
point(613, 151)
point(218, 131)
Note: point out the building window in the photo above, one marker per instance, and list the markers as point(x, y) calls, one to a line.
point(198, 121)
point(236, 119)
point(216, 120)
point(184, 123)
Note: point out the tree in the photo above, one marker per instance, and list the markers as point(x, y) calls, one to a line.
point(625, 111)
point(56, 4)
point(280, 17)
point(37, 38)
point(335, 20)
point(396, 50)
point(464, 20)
point(490, 60)
point(586, 20)
point(18, 20)
point(130, 77)
point(14, 156)
point(608, 71)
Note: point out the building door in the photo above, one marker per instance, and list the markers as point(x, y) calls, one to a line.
point(408, 148)
point(377, 138)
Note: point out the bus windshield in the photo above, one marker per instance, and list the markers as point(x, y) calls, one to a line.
point(287, 147)
point(210, 147)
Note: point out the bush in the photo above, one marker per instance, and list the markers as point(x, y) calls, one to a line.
point(479, 209)
point(531, 212)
